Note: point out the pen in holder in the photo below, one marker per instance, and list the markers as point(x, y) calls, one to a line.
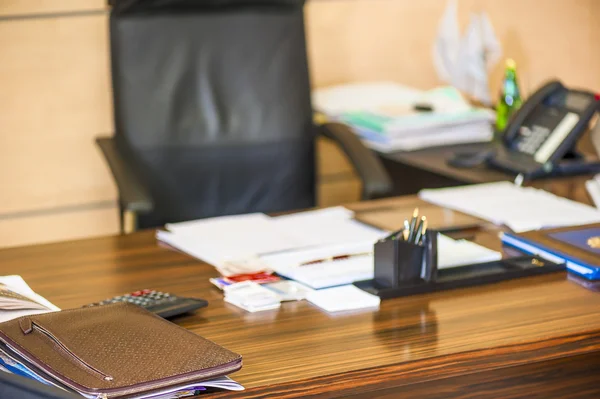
point(399, 262)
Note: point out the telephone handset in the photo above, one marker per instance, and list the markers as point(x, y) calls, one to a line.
point(543, 133)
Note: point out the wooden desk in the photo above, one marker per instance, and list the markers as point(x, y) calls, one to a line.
point(505, 340)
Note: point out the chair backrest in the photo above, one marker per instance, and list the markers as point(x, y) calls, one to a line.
point(212, 104)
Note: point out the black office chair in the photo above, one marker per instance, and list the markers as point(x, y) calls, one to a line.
point(213, 113)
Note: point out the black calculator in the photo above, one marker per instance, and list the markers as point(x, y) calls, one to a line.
point(163, 304)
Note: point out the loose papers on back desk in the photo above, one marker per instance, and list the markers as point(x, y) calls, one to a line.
point(520, 208)
point(383, 115)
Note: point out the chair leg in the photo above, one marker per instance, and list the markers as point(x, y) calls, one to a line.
point(129, 222)
point(121, 218)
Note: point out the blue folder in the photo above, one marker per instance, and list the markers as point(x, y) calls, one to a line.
point(577, 247)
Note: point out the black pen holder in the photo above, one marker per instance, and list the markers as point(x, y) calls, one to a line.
point(399, 262)
point(403, 268)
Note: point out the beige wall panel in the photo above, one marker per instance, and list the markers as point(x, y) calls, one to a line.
point(393, 39)
point(58, 227)
point(595, 33)
point(55, 100)
point(24, 7)
point(338, 192)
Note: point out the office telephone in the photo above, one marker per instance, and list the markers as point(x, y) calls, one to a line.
point(541, 136)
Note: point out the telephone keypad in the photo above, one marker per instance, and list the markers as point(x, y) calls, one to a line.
point(532, 139)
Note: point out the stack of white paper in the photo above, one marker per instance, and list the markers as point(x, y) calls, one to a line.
point(233, 244)
point(223, 239)
point(384, 115)
point(468, 132)
point(20, 300)
point(519, 208)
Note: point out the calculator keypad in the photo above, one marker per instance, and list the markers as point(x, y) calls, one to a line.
point(161, 303)
point(144, 298)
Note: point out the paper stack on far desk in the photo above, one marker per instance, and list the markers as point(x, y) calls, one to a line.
point(384, 115)
point(519, 208)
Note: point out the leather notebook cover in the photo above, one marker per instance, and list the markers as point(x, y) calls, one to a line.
point(116, 350)
point(576, 243)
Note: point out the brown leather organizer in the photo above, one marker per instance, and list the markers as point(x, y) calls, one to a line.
point(115, 350)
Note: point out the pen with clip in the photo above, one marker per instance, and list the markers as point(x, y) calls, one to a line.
point(399, 234)
point(421, 230)
point(334, 258)
point(413, 226)
point(406, 231)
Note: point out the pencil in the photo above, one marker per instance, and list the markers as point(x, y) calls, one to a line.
point(406, 230)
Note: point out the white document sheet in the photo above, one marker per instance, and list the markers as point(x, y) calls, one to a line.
point(344, 298)
point(519, 208)
point(18, 285)
point(328, 273)
point(233, 243)
point(326, 226)
point(451, 253)
point(223, 239)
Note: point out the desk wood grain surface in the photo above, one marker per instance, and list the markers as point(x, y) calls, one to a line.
point(299, 350)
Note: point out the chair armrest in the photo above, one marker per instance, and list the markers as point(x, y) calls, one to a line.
point(376, 181)
point(132, 194)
